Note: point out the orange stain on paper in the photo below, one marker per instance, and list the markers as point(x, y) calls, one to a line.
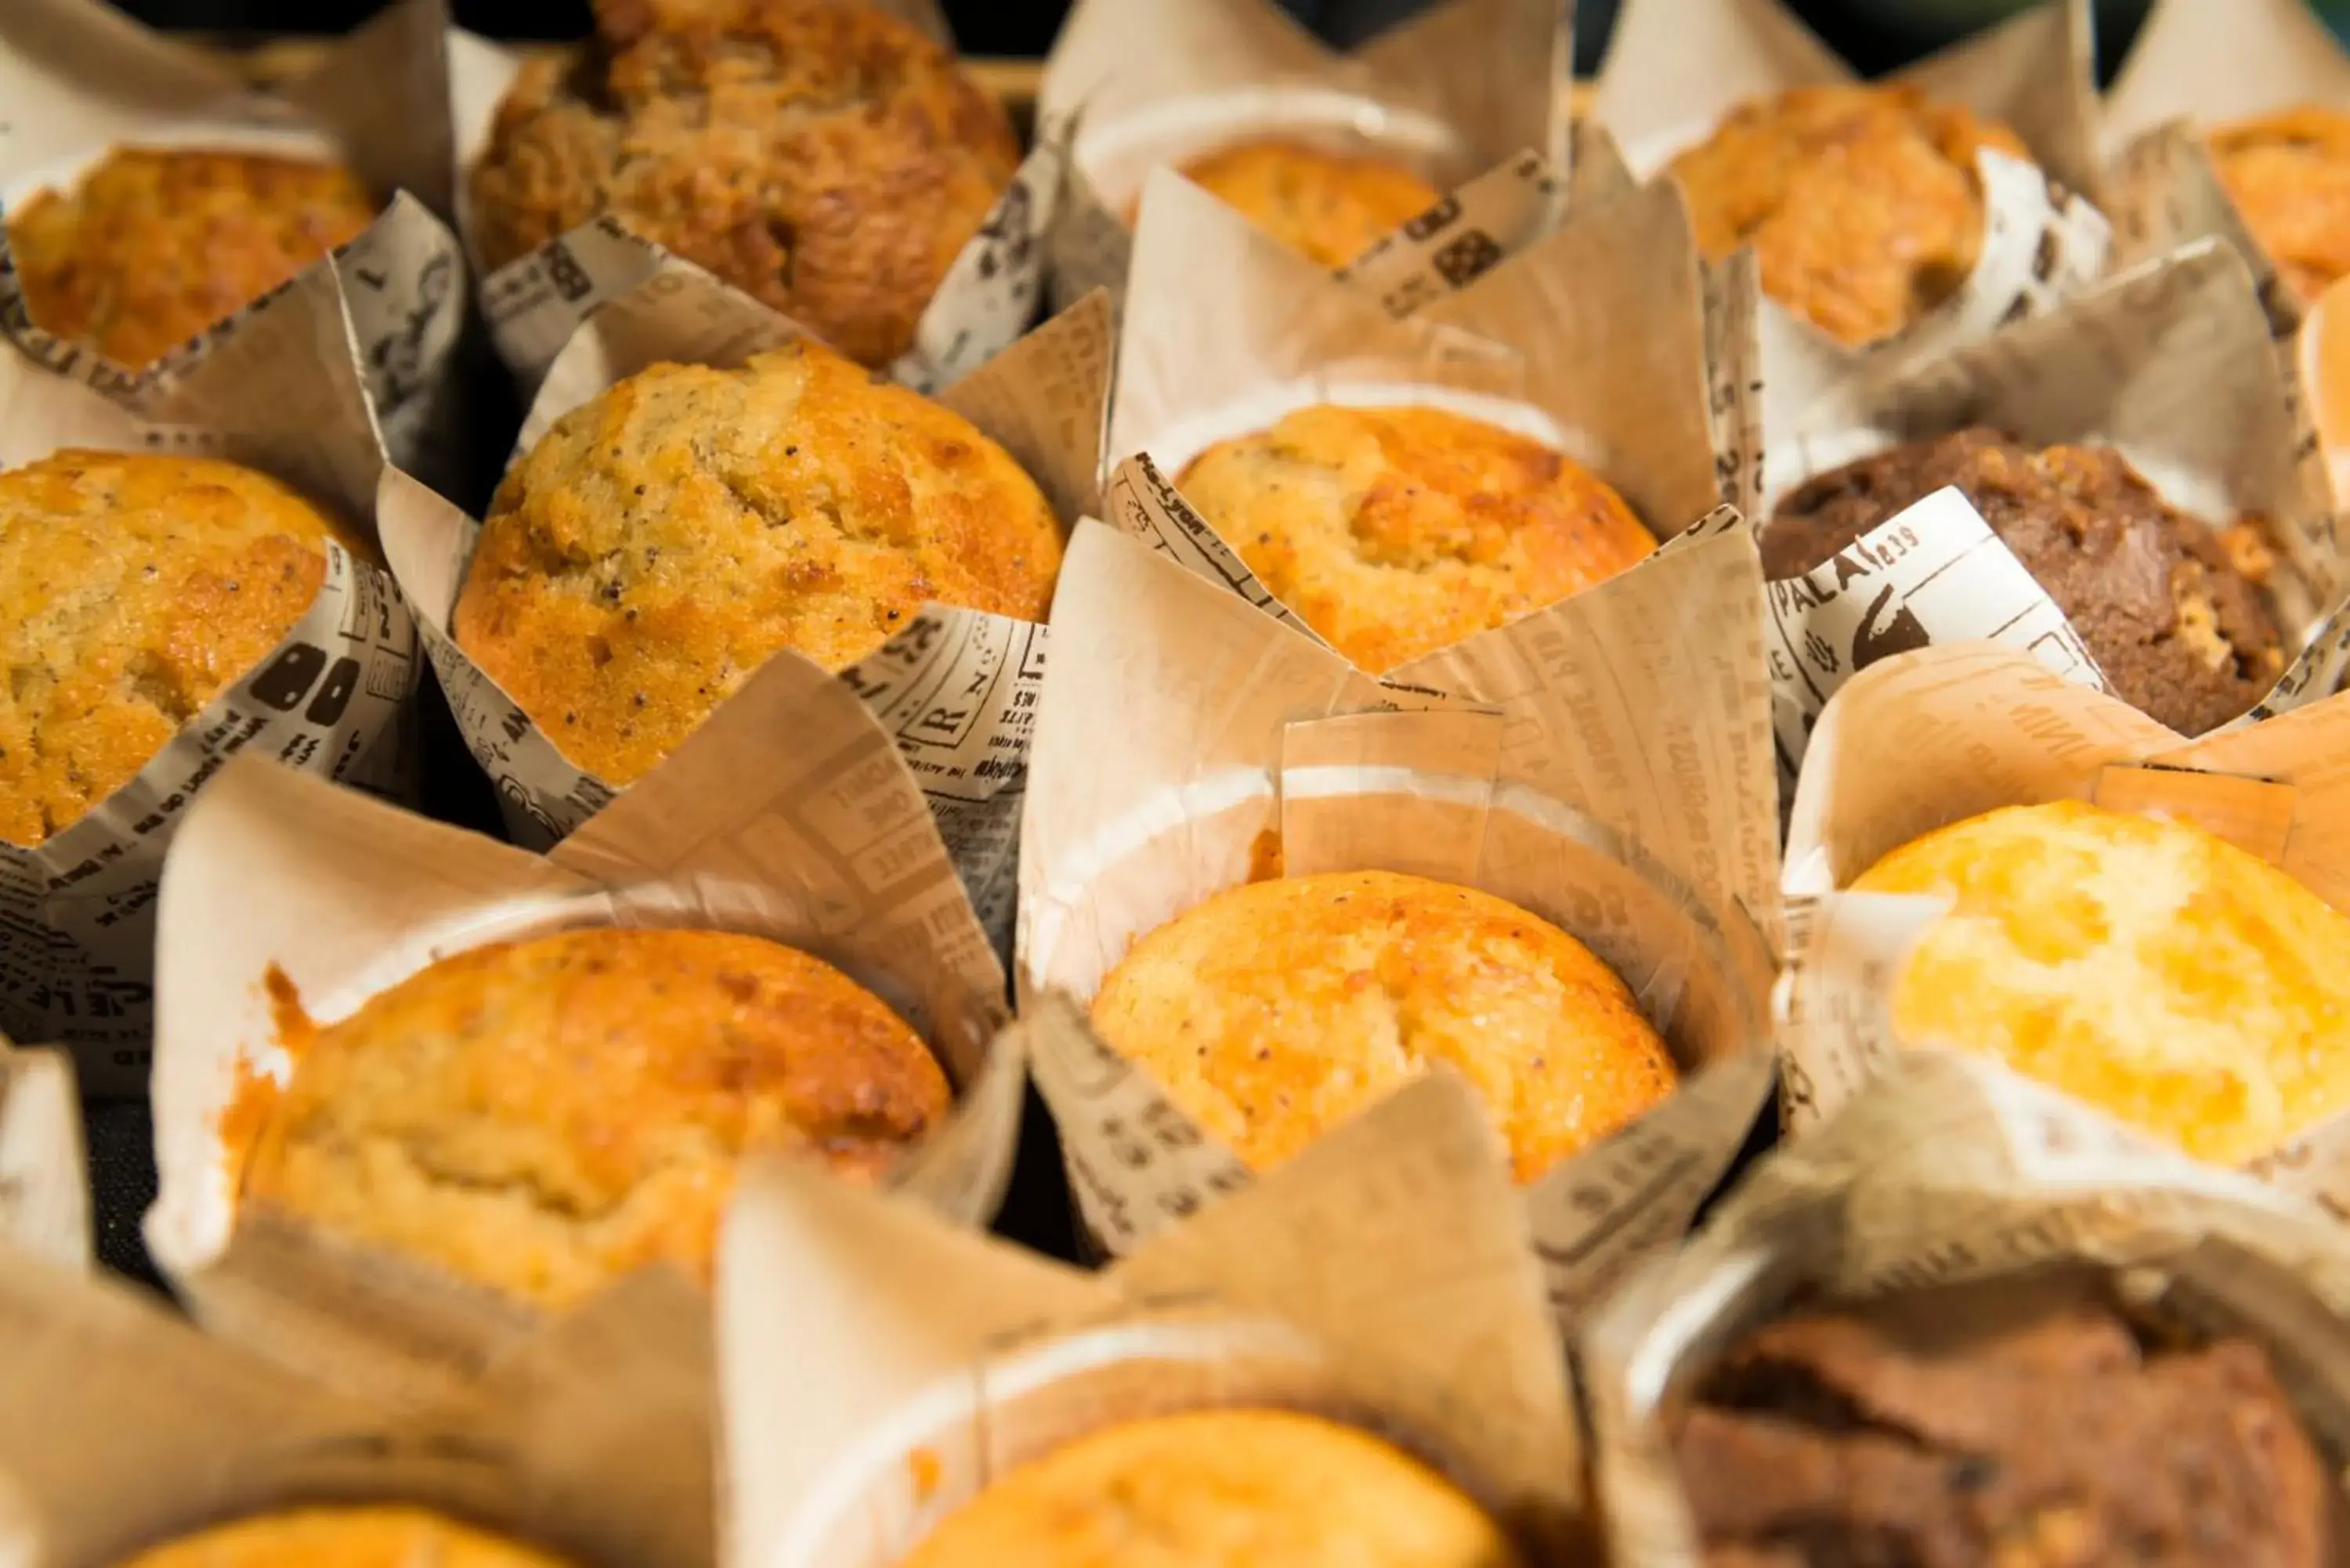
point(256, 1095)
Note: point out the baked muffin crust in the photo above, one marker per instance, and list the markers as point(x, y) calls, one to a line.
point(375, 1536)
point(2289, 176)
point(1328, 206)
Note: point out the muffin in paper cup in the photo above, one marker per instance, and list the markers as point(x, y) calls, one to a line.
point(82, 82)
point(1949, 1172)
point(283, 396)
point(44, 1185)
point(950, 1358)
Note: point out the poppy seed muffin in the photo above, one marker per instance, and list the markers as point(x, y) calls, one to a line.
point(1328, 206)
point(545, 1116)
point(1275, 1009)
point(2173, 615)
point(1395, 532)
point(369, 1536)
point(822, 156)
point(1219, 1488)
point(156, 244)
point(672, 534)
point(1863, 203)
point(2289, 175)
point(133, 589)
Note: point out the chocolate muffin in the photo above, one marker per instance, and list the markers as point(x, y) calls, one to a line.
point(2172, 613)
point(1983, 1424)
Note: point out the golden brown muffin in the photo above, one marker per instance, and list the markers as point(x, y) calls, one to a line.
point(1219, 1488)
point(2142, 966)
point(668, 536)
point(2289, 176)
point(369, 1536)
point(822, 156)
point(1863, 203)
point(543, 1116)
point(1395, 532)
point(134, 587)
point(156, 244)
point(1328, 206)
point(1276, 1010)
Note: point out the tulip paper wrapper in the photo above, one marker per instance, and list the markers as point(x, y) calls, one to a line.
point(957, 689)
point(1950, 1171)
point(788, 816)
point(878, 1370)
point(125, 1427)
point(281, 396)
point(2170, 364)
point(44, 1186)
point(79, 81)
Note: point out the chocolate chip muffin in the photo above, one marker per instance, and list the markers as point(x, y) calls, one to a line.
point(821, 155)
point(2289, 176)
point(2172, 613)
point(1328, 206)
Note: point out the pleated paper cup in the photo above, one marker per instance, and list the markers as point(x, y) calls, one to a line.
point(44, 1183)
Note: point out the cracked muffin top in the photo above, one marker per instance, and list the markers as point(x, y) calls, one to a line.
point(1275, 1009)
point(2289, 175)
point(543, 1116)
point(672, 534)
point(133, 589)
point(822, 156)
point(1328, 206)
point(1863, 203)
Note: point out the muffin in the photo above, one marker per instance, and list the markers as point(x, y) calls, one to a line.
point(1276, 1010)
point(345, 1536)
point(1396, 532)
point(1863, 203)
point(1988, 1425)
point(543, 1116)
point(1328, 206)
point(672, 534)
point(2142, 966)
point(2289, 176)
point(133, 589)
point(1220, 1488)
point(156, 244)
point(822, 156)
point(2173, 615)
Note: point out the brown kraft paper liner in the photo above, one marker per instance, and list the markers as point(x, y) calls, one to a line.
point(44, 1185)
point(332, 698)
point(957, 689)
point(2172, 364)
point(125, 1427)
point(1934, 737)
point(1677, 67)
point(1237, 733)
point(789, 815)
point(80, 79)
point(878, 1370)
point(1949, 1169)
point(1137, 85)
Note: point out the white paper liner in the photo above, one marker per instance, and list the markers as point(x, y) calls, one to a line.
point(879, 1370)
point(332, 697)
point(788, 816)
point(44, 1185)
point(1951, 1170)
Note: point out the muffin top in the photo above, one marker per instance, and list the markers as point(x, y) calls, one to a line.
point(352, 1536)
point(1219, 1488)
point(820, 155)
point(1395, 532)
point(1275, 1009)
point(1863, 203)
point(2172, 614)
point(156, 244)
point(134, 587)
point(545, 1116)
point(2289, 176)
point(669, 534)
point(1328, 206)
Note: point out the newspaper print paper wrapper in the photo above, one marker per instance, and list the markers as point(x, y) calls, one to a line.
point(879, 1369)
point(788, 816)
point(1930, 738)
point(1143, 84)
point(1239, 736)
point(126, 1426)
point(957, 689)
point(80, 79)
point(2172, 364)
point(332, 698)
point(44, 1185)
point(1677, 67)
point(1950, 1170)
